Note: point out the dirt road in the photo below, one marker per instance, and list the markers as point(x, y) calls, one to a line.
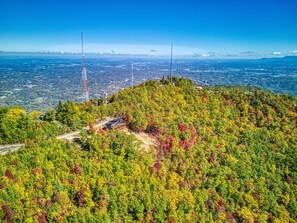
point(147, 140)
point(68, 136)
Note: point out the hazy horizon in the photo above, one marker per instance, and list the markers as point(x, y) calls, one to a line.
point(207, 56)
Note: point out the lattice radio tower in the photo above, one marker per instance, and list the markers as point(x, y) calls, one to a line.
point(171, 62)
point(84, 71)
point(132, 78)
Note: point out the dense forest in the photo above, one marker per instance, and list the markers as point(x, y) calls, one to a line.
point(224, 154)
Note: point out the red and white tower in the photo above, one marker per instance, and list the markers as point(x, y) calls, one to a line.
point(84, 71)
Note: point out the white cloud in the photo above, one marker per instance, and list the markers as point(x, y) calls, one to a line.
point(209, 54)
point(293, 52)
point(277, 53)
point(205, 55)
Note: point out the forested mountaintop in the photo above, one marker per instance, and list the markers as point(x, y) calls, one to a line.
point(222, 155)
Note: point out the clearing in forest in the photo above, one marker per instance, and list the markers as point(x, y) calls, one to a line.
point(147, 140)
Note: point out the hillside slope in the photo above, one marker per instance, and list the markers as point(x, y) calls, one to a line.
point(222, 155)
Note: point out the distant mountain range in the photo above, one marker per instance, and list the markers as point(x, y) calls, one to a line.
point(279, 59)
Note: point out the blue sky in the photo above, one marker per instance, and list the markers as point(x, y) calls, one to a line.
point(207, 28)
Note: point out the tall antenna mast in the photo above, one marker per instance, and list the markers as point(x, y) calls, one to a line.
point(96, 89)
point(171, 62)
point(132, 78)
point(84, 71)
point(114, 79)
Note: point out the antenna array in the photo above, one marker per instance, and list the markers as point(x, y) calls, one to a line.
point(171, 62)
point(84, 71)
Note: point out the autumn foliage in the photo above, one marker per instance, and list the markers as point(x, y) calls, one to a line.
point(221, 155)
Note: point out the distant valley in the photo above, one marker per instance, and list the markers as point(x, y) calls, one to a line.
point(39, 82)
